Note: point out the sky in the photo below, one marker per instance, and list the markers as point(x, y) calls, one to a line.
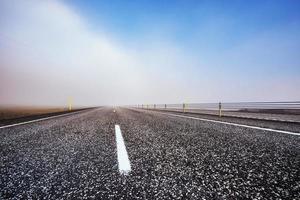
point(147, 51)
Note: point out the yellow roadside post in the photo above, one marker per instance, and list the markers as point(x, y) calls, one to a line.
point(70, 103)
point(220, 109)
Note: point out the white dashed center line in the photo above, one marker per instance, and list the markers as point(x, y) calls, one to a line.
point(123, 161)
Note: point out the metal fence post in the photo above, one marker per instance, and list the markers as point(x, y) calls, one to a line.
point(183, 106)
point(154, 106)
point(165, 106)
point(220, 109)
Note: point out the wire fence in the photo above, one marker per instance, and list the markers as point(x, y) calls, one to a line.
point(287, 107)
point(228, 106)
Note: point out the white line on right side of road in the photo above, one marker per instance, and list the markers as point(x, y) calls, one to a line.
point(41, 119)
point(123, 161)
point(234, 124)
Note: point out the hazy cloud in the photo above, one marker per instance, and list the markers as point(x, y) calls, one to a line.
point(48, 53)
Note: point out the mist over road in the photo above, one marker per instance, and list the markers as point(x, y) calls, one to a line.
point(75, 156)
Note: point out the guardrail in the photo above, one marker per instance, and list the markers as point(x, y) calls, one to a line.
point(287, 107)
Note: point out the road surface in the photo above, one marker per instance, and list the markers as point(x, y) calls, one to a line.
point(170, 157)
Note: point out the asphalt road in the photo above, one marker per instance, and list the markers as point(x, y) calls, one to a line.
point(75, 157)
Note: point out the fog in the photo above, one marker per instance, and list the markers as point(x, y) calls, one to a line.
point(49, 53)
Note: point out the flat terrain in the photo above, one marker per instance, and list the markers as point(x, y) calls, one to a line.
point(17, 112)
point(171, 157)
point(11, 115)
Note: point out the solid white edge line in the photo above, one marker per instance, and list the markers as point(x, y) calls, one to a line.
point(41, 119)
point(123, 161)
point(234, 124)
point(241, 117)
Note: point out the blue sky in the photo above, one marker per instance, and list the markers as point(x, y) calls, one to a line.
point(187, 21)
point(207, 28)
point(149, 51)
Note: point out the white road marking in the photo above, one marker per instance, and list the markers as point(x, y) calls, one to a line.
point(234, 124)
point(238, 116)
point(41, 119)
point(123, 161)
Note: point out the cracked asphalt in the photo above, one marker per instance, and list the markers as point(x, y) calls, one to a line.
point(75, 157)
